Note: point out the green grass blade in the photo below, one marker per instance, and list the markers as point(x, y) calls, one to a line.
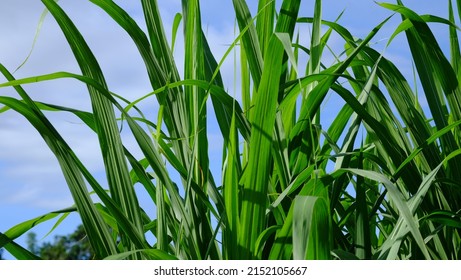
point(163, 56)
point(232, 173)
point(196, 107)
point(15, 249)
point(400, 202)
point(177, 21)
point(391, 246)
point(362, 241)
point(115, 163)
point(98, 233)
point(311, 228)
point(252, 218)
point(160, 68)
point(250, 40)
point(313, 66)
point(436, 74)
point(454, 43)
point(151, 254)
point(265, 23)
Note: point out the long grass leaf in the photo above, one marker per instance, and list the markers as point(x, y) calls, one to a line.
point(311, 228)
point(118, 176)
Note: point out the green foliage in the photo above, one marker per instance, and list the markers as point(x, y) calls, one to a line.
point(74, 246)
point(377, 183)
point(31, 243)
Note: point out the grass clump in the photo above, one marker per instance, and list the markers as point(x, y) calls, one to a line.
point(377, 183)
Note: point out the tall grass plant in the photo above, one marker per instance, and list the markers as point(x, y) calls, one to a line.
point(382, 181)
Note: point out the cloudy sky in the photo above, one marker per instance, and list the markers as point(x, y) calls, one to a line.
point(30, 179)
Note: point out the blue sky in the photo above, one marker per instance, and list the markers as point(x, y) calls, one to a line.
point(31, 182)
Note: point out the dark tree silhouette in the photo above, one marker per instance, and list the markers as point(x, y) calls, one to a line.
point(74, 246)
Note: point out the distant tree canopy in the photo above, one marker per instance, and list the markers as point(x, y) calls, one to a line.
point(74, 246)
point(1, 252)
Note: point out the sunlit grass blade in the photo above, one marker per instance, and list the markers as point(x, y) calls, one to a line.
point(197, 115)
point(378, 179)
point(250, 41)
point(124, 224)
point(455, 51)
point(160, 67)
point(118, 177)
point(252, 218)
point(393, 242)
point(311, 228)
point(157, 37)
point(97, 231)
point(313, 66)
point(363, 248)
point(436, 74)
point(265, 23)
point(398, 199)
point(232, 173)
point(15, 249)
point(25, 226)
point(151, 254)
